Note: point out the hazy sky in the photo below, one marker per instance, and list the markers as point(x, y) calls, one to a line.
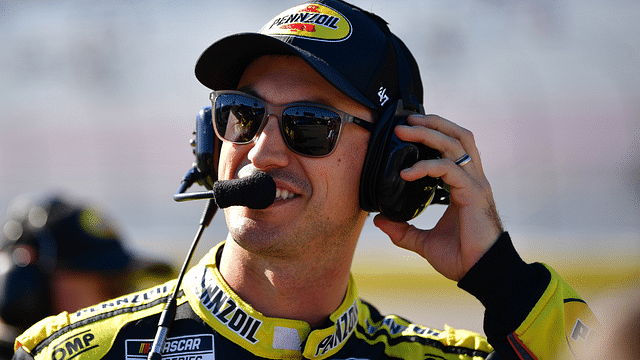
point(99, 100)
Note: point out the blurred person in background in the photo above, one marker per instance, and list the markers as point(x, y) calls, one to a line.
point(58, 255)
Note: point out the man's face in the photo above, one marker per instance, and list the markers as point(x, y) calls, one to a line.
point(318, 203)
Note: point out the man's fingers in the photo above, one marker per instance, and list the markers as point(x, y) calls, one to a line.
point(401, 233)
point(459, 142)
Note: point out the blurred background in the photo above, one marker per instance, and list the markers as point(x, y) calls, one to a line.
point(99, 99)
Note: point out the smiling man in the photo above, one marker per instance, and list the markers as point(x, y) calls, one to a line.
point(305, 241)
point(328, 102)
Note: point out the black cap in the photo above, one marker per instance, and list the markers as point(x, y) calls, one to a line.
point(351, 48)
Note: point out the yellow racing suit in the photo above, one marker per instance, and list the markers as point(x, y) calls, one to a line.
point(531, 313)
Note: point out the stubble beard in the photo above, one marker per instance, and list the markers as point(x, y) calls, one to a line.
point(311, 235)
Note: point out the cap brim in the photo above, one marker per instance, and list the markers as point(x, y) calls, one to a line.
point(222, 64)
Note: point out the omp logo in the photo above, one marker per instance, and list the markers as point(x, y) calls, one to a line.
point(74, 345)
point(191, 347)
point(310, 21)
point(345, 325)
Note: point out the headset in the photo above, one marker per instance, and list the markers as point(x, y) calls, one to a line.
point(27, 264)
point(381, 187)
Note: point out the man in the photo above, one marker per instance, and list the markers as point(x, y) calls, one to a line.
point(58, 254)
point(307, 101)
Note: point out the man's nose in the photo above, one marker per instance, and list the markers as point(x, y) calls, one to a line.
point(269, 149)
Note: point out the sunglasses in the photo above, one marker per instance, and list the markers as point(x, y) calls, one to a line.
point(308, 129)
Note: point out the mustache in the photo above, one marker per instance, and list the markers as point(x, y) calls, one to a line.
point(279, 174)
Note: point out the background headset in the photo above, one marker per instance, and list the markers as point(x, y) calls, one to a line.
point(27, 261)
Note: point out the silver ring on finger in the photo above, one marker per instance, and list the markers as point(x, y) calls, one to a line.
point(463, 160)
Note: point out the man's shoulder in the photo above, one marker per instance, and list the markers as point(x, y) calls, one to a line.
point(90, 332)
point(400, 336)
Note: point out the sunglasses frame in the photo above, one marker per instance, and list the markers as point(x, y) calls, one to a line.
point(277, 111)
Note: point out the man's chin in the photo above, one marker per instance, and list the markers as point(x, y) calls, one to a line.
point(249, 233)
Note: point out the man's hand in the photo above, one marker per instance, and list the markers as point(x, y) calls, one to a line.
point(471, 224)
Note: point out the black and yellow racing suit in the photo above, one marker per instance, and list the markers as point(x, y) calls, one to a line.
point(530, 314)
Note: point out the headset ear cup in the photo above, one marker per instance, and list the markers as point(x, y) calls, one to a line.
point(401, 200)
point(373, 161)
point(381, 187)
point(25, 296)
point(207, 149)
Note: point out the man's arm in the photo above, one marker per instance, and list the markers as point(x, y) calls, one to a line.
point(531, 313)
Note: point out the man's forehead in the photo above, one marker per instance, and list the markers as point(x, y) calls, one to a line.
point(291, 79)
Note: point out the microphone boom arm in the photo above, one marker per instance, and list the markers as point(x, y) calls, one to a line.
point(189, 178)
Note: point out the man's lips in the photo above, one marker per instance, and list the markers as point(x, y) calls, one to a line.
point(287, 185)
point(285, 190)
point(284, 194)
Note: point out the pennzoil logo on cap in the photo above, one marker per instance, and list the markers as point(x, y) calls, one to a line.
point(310, 21)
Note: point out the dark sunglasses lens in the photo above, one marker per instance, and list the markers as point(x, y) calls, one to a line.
point(311, 130)
point(237, 118)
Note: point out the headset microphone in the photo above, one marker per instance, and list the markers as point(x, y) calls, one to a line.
point(255, 192)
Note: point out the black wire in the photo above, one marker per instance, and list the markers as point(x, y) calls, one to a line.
point(169, 312)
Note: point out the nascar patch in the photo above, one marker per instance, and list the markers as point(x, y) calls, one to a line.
point(190, 347)
point(310, 21)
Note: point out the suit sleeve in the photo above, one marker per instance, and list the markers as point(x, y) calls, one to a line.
point(530, 312)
